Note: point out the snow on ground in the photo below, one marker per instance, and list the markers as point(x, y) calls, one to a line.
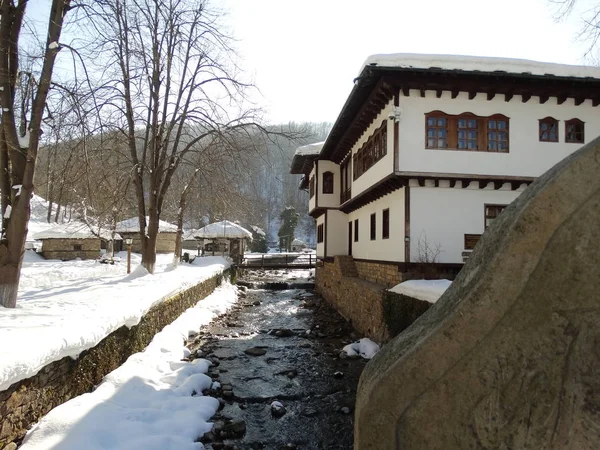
point(153, 401)
point(64, 308)
point(426, 290)
point(364, 347)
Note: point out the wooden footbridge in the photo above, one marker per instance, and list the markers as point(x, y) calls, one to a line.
point(278, 261)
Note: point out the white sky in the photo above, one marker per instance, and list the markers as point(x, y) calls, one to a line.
point(303, 55)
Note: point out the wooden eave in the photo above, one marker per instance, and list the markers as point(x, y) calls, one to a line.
point(302, 164)
point(398, 180)
point(376, 86)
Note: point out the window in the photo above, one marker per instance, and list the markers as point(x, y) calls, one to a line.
point(328, 183)
point(372, 151)
point(355, 230)
point(491, 212)
point(385, 224)
point(77, 247)
point(320, 233)
point(466, 132)
point(574, 131)
point(373, 227)
point(437, 131)
point(345, 192)
point(548, 130)
point(311, 187)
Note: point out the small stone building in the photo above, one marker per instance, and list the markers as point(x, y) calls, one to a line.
point(298, 245)
point(69, 241)
point(165, 241)
point(224, 237)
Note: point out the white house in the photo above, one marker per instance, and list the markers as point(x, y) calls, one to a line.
point(428, 150)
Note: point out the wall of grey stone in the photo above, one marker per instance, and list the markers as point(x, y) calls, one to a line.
point(373, 311)
point(25, 402)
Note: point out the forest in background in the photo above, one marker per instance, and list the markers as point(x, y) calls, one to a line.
point(90, 178)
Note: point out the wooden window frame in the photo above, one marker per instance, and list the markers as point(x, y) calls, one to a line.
point(311, 187)
point(328, 182)
point(355, 230)
point(371, 152)
point(345, 183)
point(547, 121)
point(486, 216)
point(568, 134)
point(77, 247)
point(491, 133)
point(373, 229)
point(320, 234)
point(385, 224)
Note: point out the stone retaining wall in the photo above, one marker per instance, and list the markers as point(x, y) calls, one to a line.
point(25, 402)
point(380, 273)
point(372, 311)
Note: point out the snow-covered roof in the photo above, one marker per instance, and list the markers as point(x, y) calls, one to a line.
point(310, 149)
point(480, 63)
point(225, 229)
point(72, 230)
point(298, 242)
point(189, 235)
point(133, 226)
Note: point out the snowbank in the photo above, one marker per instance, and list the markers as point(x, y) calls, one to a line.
point(480, 63)
point(426, 290)
point(364, 347)
point(153, 401)
point(64, 308)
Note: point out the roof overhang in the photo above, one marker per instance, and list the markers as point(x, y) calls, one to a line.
point(376, 86)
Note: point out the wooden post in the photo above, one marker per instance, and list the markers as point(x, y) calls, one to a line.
point(309, 260)
point(128, 258)
point(262, 262)
point(286, 263)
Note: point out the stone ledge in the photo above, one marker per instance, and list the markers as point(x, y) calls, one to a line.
point(25, 402)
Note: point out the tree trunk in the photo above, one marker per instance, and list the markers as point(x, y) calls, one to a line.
point(149, 249)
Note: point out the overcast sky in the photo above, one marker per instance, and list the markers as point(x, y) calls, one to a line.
point(303, 55)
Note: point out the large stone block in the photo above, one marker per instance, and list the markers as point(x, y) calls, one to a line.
point(509, 357)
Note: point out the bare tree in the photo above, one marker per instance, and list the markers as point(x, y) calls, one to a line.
point(20, 132)
point(175, 84)
point(589, 15)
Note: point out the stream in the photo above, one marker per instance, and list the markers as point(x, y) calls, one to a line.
point(281, 376)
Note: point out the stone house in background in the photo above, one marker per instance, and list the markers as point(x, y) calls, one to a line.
point(165, 241)
point(298, 245)
point(70, 241)
point(427, 151)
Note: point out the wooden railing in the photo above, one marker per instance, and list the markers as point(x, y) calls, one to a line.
point(279, 260)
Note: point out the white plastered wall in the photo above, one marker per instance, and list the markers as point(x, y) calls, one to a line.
point(444, 215)
point(320, 245)
point(337, 233)
point(527, 156)
point(391, 249)
point(385, 165)
point(312, 202)
point(328, 200)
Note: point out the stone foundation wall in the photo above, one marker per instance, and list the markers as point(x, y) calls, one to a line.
point(373, 311)
point(380, 273)
point(25, 402)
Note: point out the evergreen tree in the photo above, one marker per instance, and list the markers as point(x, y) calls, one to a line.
point(259, 240)
point(289, 221)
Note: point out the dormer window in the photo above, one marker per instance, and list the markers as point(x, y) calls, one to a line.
point(328, 183)
point(574, 131)
point(548, 130)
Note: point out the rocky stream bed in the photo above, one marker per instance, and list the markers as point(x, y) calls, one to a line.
point(279, 372)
